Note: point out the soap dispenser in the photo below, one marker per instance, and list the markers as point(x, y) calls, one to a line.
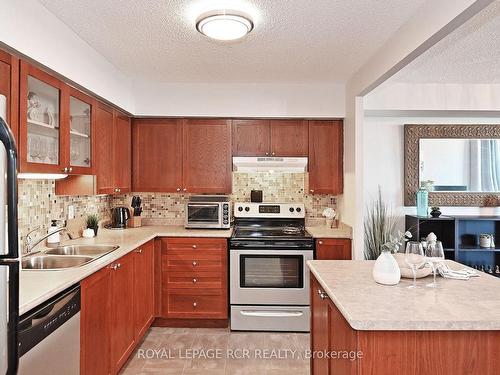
point(56, 237)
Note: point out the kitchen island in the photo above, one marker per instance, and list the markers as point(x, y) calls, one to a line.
point(361, 327)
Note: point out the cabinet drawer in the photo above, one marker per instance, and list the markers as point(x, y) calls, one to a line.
point(193, 303)
point(194, 262)
point(193, 280)
point(195, 244)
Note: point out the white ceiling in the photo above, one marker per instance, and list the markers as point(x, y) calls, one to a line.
point(470, 55)
point(298, 41)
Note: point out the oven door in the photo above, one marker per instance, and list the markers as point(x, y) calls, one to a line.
point(203, 215)
point(267, 277)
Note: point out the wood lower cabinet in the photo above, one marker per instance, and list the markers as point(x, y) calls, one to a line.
point(117, 309)
point(122, 311)
point(144, 288)
point(194, 278)
point(95, 330)
point(9, 87)
point(326, 157)
point(289, 138)
point(207, 156)
point(157, 155)
point(394, 352)
point(334, 249)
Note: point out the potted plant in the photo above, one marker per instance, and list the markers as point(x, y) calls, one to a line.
point(93, 222)
point(329, 213)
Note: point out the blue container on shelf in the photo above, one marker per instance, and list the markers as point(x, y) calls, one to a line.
point(422, 203)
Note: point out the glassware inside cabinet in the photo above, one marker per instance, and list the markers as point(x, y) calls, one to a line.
point(80, 131)
point(43, 122)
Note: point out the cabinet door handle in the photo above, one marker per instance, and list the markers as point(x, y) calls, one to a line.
point(70, 169)
point(178, 189)
point(139, 251)
point(322, 294)
point(312, 191)
point(320, 242)
point(195, 281)
point(65, 169)
point(184, 189)
point(194, 263)
point(267, 153)
point(114, 267)
point(194, 246)
point(272, 153)
point(195, 304)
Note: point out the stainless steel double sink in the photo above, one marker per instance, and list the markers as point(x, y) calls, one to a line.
point(64, 257)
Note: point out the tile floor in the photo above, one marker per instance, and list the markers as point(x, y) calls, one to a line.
point(213, 351)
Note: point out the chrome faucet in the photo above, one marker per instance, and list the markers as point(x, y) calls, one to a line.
point(30, 244)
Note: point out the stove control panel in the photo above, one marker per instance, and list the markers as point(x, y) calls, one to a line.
point(270, 210)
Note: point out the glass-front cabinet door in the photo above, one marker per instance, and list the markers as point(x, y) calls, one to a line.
point(81, 132)
point(43, 130)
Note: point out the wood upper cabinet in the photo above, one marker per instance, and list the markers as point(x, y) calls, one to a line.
point(157, 155)
point(333, 249)
point(95, 323)
point(144, 288)
point(270, 138)
point(104, 155)
point(122, 311)
point(289, 138)
point(207, 156)
point(326, 157)
point(9, 87)
point(44, 122)
point(122, 150)
point(81, 133)
point(251, 137)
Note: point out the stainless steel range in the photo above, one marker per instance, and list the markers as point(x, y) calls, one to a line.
point(269, 278)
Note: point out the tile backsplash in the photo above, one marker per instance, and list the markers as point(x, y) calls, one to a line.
point(276, 187)
point(38, 204)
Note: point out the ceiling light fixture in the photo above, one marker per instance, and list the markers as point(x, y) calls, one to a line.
point(224, 25)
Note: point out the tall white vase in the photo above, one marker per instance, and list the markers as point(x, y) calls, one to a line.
point(386, 270)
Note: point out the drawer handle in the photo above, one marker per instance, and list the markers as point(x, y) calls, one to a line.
point(195, 281)
point(194, 246)
point(274, 314)
point(194, 264)
point(320, 242)
point(139, 251)
point(322, 294)
point(195, 304)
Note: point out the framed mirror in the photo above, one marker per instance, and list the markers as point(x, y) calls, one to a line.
point(459, 164)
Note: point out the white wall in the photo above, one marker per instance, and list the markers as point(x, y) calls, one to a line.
point(431, 97)
point(31, 29)
point(384, 160)
point(242, 100)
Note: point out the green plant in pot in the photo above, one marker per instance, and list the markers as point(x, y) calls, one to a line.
point(93, 222)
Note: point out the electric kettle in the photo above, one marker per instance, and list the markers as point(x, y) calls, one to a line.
point(119, 217)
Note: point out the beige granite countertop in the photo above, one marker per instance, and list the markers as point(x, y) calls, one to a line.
point(318, 229)
point(38, 286)
point(455, 305)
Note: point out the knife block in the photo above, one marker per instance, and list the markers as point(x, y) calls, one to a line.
point(134, 222)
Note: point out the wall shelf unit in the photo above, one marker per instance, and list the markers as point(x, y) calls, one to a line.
point(460, 237)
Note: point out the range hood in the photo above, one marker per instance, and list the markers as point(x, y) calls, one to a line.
point(269, 164)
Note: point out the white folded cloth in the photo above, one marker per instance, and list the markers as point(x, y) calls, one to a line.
point(463, 274)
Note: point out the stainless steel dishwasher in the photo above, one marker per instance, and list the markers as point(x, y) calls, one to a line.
point(49, 336)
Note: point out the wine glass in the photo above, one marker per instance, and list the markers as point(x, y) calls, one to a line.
point(415, 258)
point(434, 255)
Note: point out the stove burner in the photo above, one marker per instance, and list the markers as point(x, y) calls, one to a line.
point(292, 230)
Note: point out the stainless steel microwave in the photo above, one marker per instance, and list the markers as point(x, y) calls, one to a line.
point(208, 211)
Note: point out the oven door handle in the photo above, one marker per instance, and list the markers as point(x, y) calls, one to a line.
point(268, 313)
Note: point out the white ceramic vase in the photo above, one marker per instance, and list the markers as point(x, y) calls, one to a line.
point(386, 270)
